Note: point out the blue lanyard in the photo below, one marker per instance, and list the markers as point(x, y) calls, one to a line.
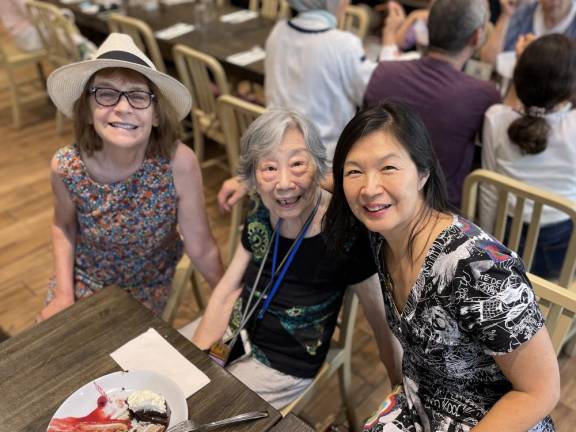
point(288, 260)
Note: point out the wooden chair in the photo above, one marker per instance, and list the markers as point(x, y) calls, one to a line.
point(58, 33)
point(522, 192)
point(272, 9)
point(206, 80)
point(339, 360)
point(558, 306)
point(355, 21)
point(142, 35)
point(236, 115)
point(22, 91)
point(184, 278)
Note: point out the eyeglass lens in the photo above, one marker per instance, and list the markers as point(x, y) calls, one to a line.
point(110, 97)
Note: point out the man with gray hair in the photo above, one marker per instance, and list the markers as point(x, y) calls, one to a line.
point(451, 103)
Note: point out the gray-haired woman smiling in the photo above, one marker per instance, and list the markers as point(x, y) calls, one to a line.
point(282, 287)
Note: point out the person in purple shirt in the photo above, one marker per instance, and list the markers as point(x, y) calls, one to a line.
point(451, 103)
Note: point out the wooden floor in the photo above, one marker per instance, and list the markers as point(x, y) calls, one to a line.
point(26, 262)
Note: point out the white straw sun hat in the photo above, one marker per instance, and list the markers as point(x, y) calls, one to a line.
point(66, 84)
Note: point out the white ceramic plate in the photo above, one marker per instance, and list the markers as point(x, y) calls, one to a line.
point(120, 384)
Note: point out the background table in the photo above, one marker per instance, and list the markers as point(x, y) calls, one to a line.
point(41, 367)
point(218, 39)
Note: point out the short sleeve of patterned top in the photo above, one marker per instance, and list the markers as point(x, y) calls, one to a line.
point(471, 300)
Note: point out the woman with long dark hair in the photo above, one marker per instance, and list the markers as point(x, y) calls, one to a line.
point(535, 144)
point(476, 353)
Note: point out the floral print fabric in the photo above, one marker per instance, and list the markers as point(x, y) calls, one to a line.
point(126, 231)
point(471, 300)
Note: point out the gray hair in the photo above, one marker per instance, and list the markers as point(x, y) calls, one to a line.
point(267, 132)
point(452, 23)
point(310, 5)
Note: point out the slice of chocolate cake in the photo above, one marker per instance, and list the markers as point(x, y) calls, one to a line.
point(149, 407)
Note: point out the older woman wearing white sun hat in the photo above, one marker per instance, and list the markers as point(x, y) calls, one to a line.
point(126, 184)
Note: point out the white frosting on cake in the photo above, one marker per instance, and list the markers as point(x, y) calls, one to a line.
point(146, 400)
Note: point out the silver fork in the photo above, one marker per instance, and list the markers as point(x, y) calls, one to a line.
point(190, 425)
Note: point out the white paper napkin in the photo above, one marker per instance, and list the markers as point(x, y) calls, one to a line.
point(246, 57)
point(174, 31)
point(150, 351)
point(239, 16)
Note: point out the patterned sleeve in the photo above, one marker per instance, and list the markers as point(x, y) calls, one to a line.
point(496, 302)
point(257, 231)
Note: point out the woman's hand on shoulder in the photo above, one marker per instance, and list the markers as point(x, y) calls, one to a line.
point(231, 191)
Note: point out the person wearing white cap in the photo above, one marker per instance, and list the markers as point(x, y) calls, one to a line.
point(318, 71)
point(127, 192)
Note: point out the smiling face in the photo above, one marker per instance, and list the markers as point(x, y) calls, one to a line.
point(122, 125)
point(285, 178)
point(382, 185)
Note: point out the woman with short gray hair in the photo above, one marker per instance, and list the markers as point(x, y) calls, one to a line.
point(271, 317)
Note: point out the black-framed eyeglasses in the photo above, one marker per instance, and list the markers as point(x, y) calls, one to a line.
point(138, 99)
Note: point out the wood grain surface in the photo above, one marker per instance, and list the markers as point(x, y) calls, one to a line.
point(291, 423)
point(41, 367)
point(218, 40)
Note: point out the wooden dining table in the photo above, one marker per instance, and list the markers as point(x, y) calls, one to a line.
point(44, 365)
point(291, 423)
point(218, 39)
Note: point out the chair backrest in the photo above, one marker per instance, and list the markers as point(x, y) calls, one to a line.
point(558, 306)
point(355, 21)
point(142, 35)
point(272, 9)
point(236, 115)
point(346, 323)
point(523, 192)
point(57, 31)
point(184, 278)
point(22, 88)
point(204, 77)
point(339, 356)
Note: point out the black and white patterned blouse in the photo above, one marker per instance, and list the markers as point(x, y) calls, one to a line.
point(471, 301)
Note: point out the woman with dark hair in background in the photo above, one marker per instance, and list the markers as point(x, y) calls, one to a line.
point(476, 353)
point(536, 144)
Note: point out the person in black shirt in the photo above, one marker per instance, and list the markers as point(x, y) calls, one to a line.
point(283, 285)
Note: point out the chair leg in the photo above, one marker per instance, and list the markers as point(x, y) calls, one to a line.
point(15, 103)
point(235, 221)
point(16, 114)
point(345, 381)
point(196, 291)
point(198, 140)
